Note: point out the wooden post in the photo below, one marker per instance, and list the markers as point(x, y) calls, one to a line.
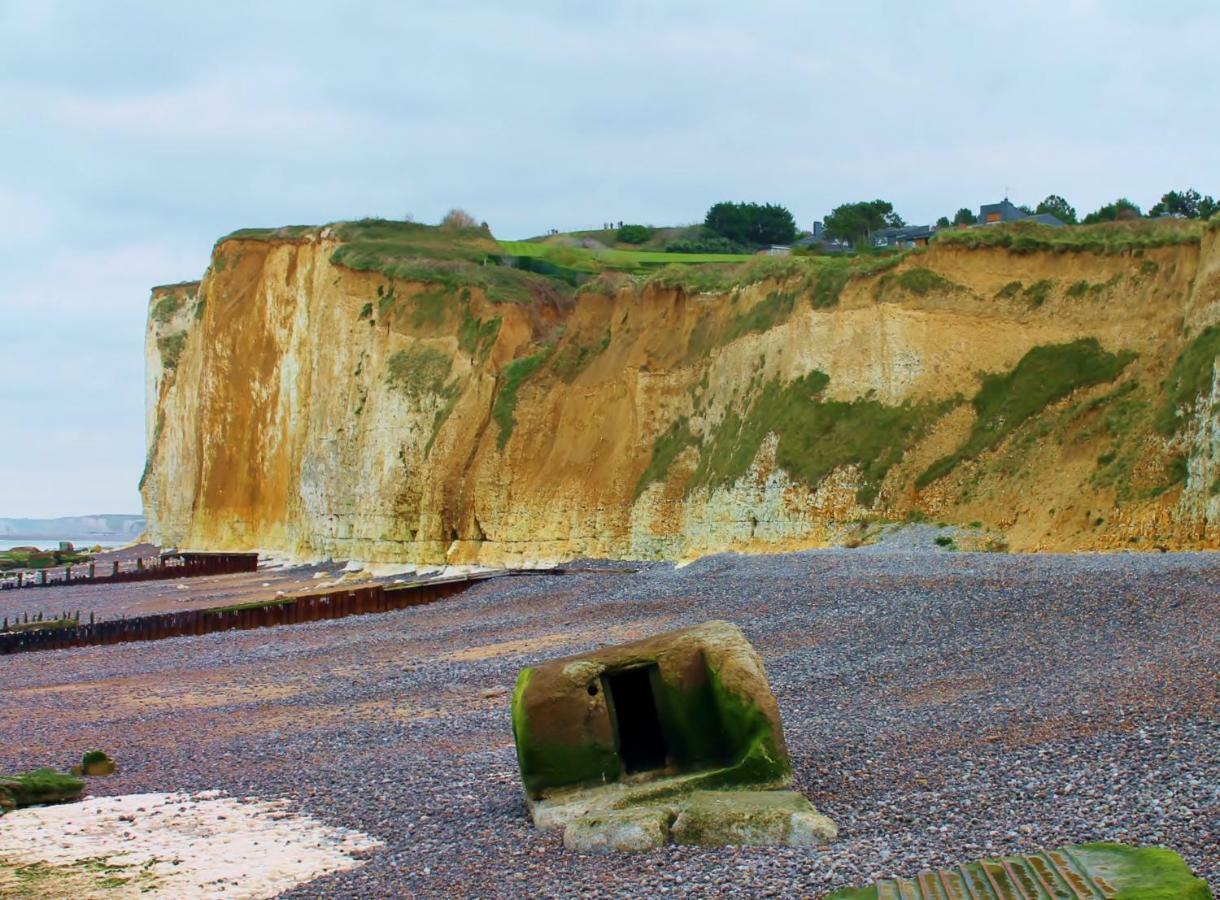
point(42, 577)
point(92, 569)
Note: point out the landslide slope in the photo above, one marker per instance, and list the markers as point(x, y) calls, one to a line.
point(399, 393)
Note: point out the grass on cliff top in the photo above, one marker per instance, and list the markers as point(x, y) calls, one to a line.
point(594, 260)
point(452, 258)
point(821, 278)
point(529, 271)
point(1104, 238)
point(1190, 378)
point(282, 233)
point(1043, 376)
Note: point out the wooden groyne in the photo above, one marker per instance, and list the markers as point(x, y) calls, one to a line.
point(336, 604)
point(147, 568)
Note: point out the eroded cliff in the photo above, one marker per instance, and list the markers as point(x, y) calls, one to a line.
point(383, 396)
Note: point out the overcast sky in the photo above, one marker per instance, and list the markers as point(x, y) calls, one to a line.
point(133, 134)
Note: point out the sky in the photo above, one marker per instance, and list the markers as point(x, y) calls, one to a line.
point(134, 134)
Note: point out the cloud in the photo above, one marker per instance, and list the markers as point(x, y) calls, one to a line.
point(132, 135)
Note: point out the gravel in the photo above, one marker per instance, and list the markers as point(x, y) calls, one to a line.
point(938, 706)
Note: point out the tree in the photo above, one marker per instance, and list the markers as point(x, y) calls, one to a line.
point(1056, 206)
point(965, 217)
point(853, 221)
point(1189, 204)
point(752, 223)
point(943, 222)
point(1120, 210)
point(458, 218)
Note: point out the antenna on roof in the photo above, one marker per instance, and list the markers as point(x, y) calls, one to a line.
point(1007, 190)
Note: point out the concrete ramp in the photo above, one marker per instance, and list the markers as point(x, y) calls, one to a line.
point(1082, 872)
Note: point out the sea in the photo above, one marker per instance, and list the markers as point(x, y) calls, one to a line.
point(53, 544)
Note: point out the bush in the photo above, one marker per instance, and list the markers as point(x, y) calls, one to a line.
point(459, 218)
point(633, 234)
point(712, 243)
point(752, 223)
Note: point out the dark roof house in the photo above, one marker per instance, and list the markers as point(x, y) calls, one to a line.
point(904, 236)
point(1006, 211)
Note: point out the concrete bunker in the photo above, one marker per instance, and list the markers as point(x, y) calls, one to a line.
point(666, 738)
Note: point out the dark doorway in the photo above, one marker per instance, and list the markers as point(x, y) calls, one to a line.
point(641, 742)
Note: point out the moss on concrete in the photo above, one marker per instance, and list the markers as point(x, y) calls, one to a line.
point(1114, 871)
point(715, 710)
point(549, 764)
point(38, 787)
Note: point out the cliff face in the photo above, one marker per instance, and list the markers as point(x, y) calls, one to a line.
point(1055, 400)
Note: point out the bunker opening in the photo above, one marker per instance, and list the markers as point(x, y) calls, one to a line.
point(641, 741)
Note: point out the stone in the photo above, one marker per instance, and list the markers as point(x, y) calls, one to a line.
point(694, 700)
point(681, 729)
point(751, 818)
point(95, 763)
point(623, 830)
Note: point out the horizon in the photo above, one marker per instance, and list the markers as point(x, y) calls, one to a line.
point(139, 137)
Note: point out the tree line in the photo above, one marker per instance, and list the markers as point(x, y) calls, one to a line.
point(759, 224)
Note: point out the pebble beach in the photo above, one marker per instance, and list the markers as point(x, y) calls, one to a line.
point(937, 706)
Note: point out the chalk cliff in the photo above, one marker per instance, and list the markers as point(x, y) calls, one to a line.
point(377, 394)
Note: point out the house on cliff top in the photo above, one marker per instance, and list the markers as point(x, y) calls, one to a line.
point(1006, 211)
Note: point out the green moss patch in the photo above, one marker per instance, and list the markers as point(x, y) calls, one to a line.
point(167, 306)
point(1037, 293)
point(574, 357)
point(38, 787)
point(918, 281)
point(1104, 870)
point(816, 436)
point(511, 379)
point(170, 347)
point(1043, 376)
point(665, 449)
point(476, 336)
point(418, 371)
point(1190, 379)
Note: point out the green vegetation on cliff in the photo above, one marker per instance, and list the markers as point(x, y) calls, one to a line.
point(418, 371)
point(170, 346)
point(1191, 377)
point(815, 437)
point(1043, 376)
point(504, 409)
